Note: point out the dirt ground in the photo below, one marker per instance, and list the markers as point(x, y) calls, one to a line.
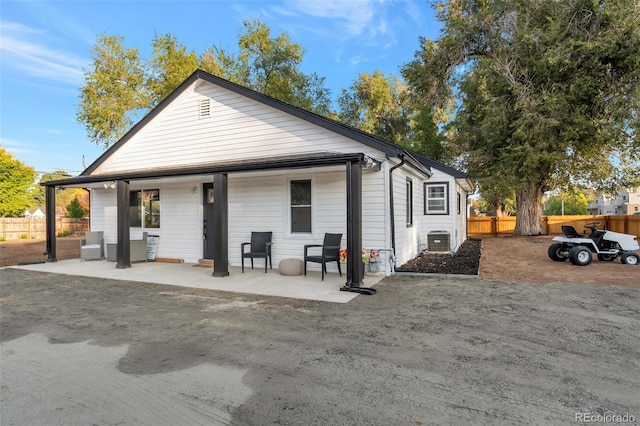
point(525, 259)
point(421, 351)
point(18, 251)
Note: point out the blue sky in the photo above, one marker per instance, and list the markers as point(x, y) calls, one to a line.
point(44, 48)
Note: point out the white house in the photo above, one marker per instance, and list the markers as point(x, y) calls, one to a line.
point(626, 202)
point(215, 161)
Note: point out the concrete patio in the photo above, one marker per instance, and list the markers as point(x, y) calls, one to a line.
point(189, 275)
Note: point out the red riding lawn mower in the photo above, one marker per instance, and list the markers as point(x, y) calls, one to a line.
point(607, 245)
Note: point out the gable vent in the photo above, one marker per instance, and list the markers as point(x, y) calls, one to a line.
point(205, 108)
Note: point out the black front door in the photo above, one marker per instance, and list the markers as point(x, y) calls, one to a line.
point(207, 219)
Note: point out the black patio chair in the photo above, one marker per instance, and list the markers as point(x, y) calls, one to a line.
point(330, 253)
point(259, 247)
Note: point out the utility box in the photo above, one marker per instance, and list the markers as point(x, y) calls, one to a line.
point(438, 241)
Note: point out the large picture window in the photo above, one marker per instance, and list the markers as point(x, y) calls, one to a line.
point(436, 198)
point(144, 208)
point(300, 205)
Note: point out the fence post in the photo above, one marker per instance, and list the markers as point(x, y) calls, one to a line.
point(494, 226)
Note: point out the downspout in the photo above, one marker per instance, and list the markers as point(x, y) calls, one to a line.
point(391, 208)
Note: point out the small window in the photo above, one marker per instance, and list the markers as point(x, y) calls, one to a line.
point(300, 192)
point(144, 208)
point(409, 202)
point(459, 203)
point(436, 198)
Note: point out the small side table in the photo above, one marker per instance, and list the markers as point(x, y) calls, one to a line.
point(291, 267)
point(112, 252)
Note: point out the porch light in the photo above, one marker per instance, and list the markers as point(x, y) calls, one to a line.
point(110, 185)
point(369, 163)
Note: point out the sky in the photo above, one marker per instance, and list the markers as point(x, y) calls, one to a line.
point(45, 51)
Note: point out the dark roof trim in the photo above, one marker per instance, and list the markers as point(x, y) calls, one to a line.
point(272, 163)
point(439, 166)
point(389, 148)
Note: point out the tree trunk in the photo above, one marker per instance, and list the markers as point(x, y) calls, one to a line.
point(529, 210)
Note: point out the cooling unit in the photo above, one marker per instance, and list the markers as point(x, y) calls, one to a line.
point(438, 241)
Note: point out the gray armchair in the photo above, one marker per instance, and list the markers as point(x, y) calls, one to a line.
point(92, 246)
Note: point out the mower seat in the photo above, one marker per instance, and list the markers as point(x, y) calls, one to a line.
point(570, 232)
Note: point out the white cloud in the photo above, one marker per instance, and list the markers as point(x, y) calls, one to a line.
point(24, 49)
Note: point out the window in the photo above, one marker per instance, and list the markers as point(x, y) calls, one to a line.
point(436, 198)
point(409, 202)
point(300, 191)
point(459, 203)
point(144, 205)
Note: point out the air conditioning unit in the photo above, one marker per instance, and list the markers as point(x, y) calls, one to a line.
point(439, 241)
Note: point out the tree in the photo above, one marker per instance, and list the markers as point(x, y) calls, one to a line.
point(121, 86)
point(16, 185)
point(547, 92)
point(169, 66)
point(567, 203)
point(115, 91)
point(75, 210)
point(384, 106)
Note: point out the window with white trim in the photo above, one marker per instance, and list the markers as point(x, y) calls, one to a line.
point(144, 208)
point(300, 196)
point(436, 198)
point(409, 202)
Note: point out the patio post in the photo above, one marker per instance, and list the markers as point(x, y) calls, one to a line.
point(124, 234)
point(50, 201)
point(355, 271)
point(220, 225)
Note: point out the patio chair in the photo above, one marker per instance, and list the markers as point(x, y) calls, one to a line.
point(330, 253)
point(259, 247)
point(92, 246)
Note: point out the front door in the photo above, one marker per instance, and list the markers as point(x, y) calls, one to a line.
point(207, 231)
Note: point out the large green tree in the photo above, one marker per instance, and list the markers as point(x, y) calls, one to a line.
point(547, 92)
point(115, 91)
point(121, 86)
point(384, 106)
point(17, 182)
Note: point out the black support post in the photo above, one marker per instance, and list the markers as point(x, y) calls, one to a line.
point(355, 267)
point(50, 201)
point(355, 273)
point(220, 225)
point(124, 228)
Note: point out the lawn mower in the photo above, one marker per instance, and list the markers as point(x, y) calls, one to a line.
point(607, 245)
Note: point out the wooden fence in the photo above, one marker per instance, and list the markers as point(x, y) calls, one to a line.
point(485, 226)
point(25, 228)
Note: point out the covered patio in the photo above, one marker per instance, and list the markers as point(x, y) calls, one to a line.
point(190, 275)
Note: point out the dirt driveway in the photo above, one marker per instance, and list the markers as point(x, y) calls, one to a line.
point(77, 350)
point(525, 259)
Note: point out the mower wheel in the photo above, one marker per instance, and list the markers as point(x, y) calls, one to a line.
point(556, 253)
point(630, 258)
point(607, 257)
point(580, 256)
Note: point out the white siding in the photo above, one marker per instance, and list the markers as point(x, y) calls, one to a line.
point(443, 222)
point(408, 238)
point(257, 202)
point(260, 202)
point(239, 128)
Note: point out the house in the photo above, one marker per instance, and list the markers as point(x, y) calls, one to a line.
point(215, 161)
point(626, 202)
point(37, 214)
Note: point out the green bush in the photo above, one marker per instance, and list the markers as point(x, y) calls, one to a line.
point(75, 210)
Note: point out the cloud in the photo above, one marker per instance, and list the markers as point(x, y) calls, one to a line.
point(24, 49)
point(15, 146)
